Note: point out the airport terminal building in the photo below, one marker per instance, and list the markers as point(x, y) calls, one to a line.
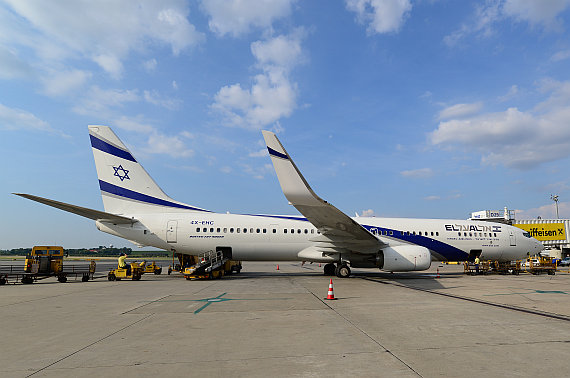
point(552, 233)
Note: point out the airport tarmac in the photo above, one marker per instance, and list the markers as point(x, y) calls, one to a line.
point(268, 322)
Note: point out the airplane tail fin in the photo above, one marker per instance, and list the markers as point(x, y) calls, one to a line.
point(126, 187)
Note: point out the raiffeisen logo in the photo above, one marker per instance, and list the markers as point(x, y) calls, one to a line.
point(472, 227)
point(535, 231)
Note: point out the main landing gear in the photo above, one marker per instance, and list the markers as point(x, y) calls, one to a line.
point(340, 270)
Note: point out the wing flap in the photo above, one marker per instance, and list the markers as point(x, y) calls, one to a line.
point(83, 211)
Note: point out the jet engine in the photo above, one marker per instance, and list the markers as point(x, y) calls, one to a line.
point(402, 258)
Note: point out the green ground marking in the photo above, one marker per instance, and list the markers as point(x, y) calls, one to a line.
point(209, 301)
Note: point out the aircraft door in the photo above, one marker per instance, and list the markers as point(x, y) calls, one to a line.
point(513, 238)
point(171, 229)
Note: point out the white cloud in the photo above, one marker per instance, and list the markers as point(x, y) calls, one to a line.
point(368, 213)
point(111, 64)
point(12, 66)
point(167, 145)
point(432, 198)
point(133, 124)
point(545, 212)
point(459, 110)
point(150, 65)
point(105, 33)
point(382, 16)
point(482, 23)
point(418, 173)
point(258, 172)
point(153, 97)
point(18, 119)
point(237, 17)
point(61, 83)
point(560, 55)
point(535, 12)
point(515, 138)
point(98, 102)
point(272, 94)
point(261, 153)
point(513, 91)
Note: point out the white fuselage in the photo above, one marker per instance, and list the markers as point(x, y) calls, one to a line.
point(280, 238)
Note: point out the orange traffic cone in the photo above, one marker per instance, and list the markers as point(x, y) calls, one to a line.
point(330, 294)
point(277, 267)
point(438, 276)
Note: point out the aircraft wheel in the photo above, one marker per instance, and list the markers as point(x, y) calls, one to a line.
point(85, 278)
point(2, 281)
point(342, 271)
point(27, 280)
point(330, 269)
point(111, 277)
point(158, 271)
point(62, 279)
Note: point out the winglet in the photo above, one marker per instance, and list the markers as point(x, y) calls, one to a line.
point(293, 184)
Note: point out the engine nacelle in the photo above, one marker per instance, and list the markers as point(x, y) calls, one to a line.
point(403, 258)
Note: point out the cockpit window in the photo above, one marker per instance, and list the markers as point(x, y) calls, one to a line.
point(526, 234)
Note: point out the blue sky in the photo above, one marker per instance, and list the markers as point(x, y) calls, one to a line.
point(398, 108)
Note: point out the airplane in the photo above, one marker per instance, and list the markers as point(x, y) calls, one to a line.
point(137, 209)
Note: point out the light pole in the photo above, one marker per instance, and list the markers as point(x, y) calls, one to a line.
point(555, 199)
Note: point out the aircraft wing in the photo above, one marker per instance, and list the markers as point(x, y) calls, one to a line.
point(83, 211)
point(338, 230)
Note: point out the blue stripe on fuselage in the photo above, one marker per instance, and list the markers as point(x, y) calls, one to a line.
point(131, 194)
point(448, 251)
point(110, 149)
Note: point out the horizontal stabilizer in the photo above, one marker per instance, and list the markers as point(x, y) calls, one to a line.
point(83, 211)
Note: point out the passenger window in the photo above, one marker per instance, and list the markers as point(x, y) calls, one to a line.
point(459, 233)
point(292, 231)
point(198, 229)
point(437, 234)
point(391, 233)
point(312, 231)
point(251, 230)
point(306, 231)
point(205, 229)
point(238, 230)
point(420, 233)
point(212, 229)
point(245, 230)
point(274, 231)
point(298, 230)
point(225, 230)
point(218, 229)
point(285, 230)
point(265, 231)
point(258, 230)
point(231, 230)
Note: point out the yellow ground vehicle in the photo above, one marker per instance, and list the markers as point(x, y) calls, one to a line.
point(211, 264)
point(151, 268)
point(44, 259)
point(44, 262)
point(118, 274)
